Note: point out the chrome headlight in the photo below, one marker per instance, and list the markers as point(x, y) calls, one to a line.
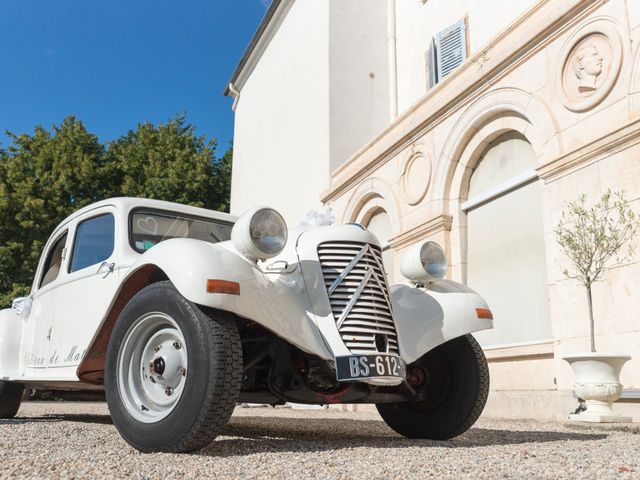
point(424, 262)
point(260, 233)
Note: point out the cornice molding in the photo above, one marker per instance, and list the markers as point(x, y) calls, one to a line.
point(620, 139)
point(424, 230)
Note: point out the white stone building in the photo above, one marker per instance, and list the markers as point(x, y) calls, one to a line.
point(469, 122)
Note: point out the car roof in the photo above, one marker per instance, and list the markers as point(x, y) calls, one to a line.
point(126, 204)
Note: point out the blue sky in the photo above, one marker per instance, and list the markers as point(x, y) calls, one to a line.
point(116, 63)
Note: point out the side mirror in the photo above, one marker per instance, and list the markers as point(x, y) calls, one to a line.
point(22, 306)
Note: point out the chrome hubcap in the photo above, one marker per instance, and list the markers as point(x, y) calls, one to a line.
point(152, 367)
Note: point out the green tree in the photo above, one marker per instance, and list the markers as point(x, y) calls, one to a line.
point(222, 176)
point(46, 176)
point(169, 162)
point(594, 239)
point(43, 178)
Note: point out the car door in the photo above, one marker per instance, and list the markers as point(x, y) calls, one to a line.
point(39, 321)
point(89, 287)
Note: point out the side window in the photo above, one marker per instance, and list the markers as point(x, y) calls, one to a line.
point(447, 52)
point(54, 261)
point(94, 242)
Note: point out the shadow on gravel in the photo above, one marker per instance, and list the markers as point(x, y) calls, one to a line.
point(264, 434)
point(23, 420)
point(86, 418)
point(82, 418)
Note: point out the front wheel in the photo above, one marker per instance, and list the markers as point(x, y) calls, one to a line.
point(454, 379)
point(172, 373)
point(10, 398)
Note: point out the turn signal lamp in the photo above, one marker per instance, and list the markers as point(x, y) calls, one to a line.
point(223, 286)
point(484, 313)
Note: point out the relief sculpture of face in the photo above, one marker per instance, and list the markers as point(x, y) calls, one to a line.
point(592, 61)
point(587, 67)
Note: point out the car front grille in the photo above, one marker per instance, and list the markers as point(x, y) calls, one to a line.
point(359, 295)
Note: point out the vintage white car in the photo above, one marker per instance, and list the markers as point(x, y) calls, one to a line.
point(178, 313)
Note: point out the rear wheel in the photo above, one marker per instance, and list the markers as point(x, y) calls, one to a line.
point(454, 379)
point(10, 398)
point(173, 373)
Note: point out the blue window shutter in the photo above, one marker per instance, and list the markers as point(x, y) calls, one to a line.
point(450, 49)
point(432, 73)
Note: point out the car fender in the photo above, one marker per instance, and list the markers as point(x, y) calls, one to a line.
point(428, 318)
point(279, 302)
point(10, 335)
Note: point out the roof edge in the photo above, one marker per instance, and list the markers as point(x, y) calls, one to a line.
point(261, 38)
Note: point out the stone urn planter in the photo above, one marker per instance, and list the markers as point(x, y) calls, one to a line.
point(597, 382)
point(593, 237)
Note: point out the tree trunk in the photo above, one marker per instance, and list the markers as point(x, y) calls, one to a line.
point(591, 322)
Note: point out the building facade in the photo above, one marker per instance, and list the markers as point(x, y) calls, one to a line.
point(491, 116)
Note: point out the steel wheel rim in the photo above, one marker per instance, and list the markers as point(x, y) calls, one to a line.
point(152, 367)
point(440, 381)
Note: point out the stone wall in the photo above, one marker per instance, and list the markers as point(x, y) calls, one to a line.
point(567, 77)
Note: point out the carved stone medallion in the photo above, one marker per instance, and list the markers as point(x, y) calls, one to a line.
point(589, 65)
point(585, 71)
point(416, 176)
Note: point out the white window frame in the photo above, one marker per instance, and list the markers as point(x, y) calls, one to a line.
point(513, 183)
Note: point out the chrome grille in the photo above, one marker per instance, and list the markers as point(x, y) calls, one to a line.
point(357, 286)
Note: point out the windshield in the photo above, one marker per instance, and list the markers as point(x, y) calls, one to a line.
point(150, 228)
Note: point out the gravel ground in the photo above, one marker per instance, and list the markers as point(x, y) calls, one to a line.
point(77, 440)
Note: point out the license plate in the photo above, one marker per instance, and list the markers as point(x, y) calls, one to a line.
point(357, 367)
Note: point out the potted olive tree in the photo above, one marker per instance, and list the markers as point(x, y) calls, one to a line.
point(596, 238)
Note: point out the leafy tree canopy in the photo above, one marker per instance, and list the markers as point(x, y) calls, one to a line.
point(46, 176)
point(169, 162)
point(594, 238)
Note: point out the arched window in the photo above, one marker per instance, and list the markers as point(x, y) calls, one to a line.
point(506, 260)
point(379, 224)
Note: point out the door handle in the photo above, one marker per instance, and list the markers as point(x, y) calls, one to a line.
point(108, 267)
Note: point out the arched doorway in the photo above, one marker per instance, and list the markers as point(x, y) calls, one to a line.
point(506, 260)
point(378, 222)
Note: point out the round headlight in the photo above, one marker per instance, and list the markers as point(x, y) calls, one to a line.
point(268, 231)
point(433, 259)
point(424, 263)
point(260, 233)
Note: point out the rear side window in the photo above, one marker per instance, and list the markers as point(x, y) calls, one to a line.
point(94, 242)
point(54, 261)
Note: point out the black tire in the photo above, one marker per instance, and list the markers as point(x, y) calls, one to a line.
point(456, 387)
point(212, 384)
point(10, 398)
